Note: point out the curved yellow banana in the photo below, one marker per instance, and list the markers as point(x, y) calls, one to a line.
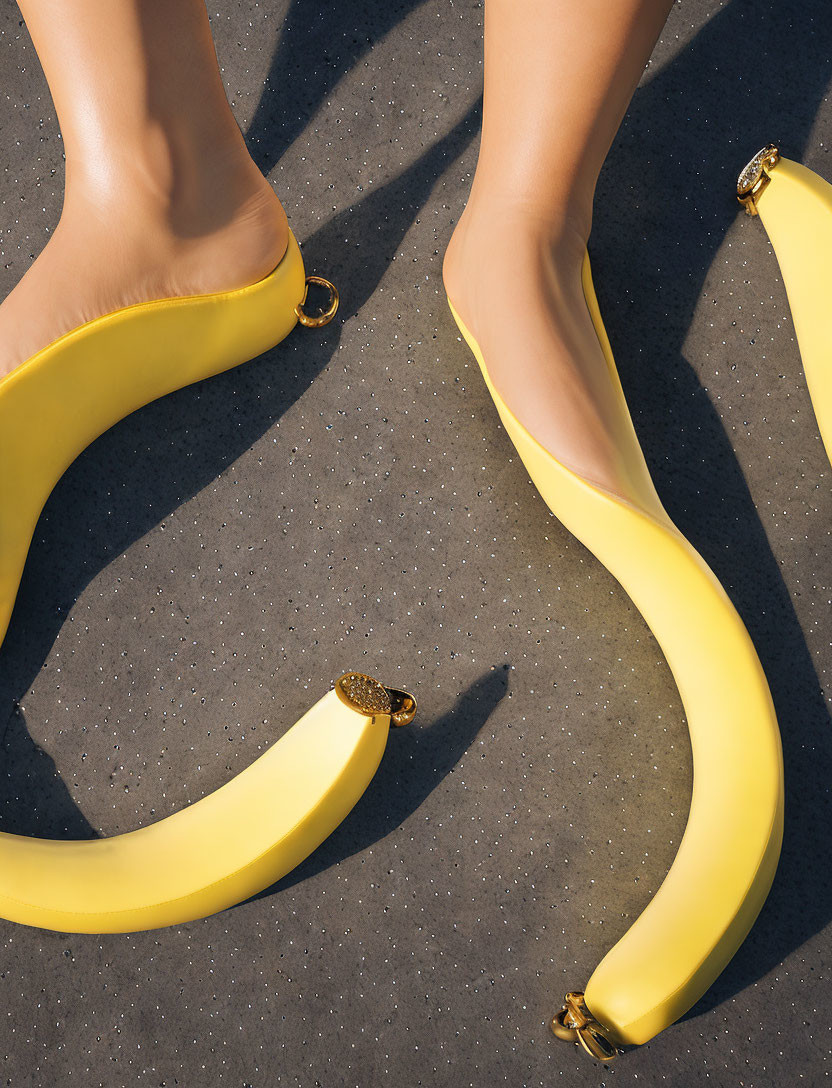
point(795, 207)
point(728, 854)
point(221, 849)
point(74, 389)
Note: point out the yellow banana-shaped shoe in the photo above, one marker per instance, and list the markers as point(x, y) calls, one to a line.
point(727, 857)
point(795, 207)
point(55, 403)
point(221, 849)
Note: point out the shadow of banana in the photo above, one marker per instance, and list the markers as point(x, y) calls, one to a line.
point(417, 759)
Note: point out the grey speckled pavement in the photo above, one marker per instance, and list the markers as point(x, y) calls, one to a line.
point(350, 501)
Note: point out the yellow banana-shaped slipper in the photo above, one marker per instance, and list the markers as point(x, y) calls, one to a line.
point(223, 848)
point(795, 207)
point(54, 404)
point(256, 828)
point(727, 857)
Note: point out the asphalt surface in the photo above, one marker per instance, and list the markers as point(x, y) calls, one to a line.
point(206, 569)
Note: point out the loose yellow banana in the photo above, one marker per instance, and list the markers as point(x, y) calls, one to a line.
point(795, 207)
point(221, 849)
point(728, 854)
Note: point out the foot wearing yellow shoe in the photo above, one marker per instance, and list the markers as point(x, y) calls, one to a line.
point(172, 260)
point(674, 950)
point(113, 249)
point(184, 269)
point(514, 276)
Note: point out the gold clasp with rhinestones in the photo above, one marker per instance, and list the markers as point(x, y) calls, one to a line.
point(327, 315)
point(369, 696)
point(575, 1024)
point(754, 177)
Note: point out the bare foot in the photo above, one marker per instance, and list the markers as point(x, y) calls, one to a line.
point(515, 280)
point(107, 253)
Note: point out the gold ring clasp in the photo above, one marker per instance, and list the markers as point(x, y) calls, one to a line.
point(328, 314)
point(755, 176)
point(369, 696)
point(575, 1024)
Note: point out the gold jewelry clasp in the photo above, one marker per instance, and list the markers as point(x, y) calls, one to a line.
point(369, 696)
point(754, 177)
point(575, 1024)
point(328, 314)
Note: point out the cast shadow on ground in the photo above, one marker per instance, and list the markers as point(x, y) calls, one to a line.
point(34, 800)
point(319, 43)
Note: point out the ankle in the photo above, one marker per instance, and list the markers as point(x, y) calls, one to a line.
point(177, 180)
point(228, 234)
point(504, 228)
point(549, 221)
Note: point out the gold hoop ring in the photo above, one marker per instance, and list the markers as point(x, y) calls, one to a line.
point(328, 314)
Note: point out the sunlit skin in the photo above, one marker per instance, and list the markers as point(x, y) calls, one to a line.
point(162, 197)
point(559, 76)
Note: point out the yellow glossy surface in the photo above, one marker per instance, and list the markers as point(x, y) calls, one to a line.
point(796, 210)
point(257, 827)
point(728, 854)
point(65, 396)
point(213, 853)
